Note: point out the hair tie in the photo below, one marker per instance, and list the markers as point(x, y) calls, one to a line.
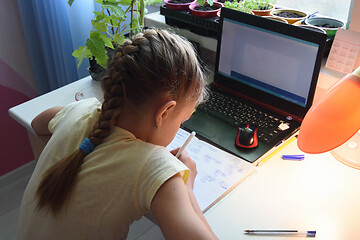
point(87, 146)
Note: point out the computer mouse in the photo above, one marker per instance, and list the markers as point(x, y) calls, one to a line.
point(247, 136)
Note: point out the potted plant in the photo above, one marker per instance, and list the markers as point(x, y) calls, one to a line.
point(327, 24)
point(110, 29)
point(205, 8)
point(238, 6)
point(260, 7)
point(290, 15)
point(179, 5)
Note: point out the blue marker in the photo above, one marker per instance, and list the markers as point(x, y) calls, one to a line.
point(293, 157)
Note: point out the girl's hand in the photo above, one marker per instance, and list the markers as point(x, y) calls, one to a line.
point(191, 164)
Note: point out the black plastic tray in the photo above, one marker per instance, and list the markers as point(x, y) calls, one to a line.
point(183, 19)
point(208, 27)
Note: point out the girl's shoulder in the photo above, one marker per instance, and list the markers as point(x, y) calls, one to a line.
point(90, 108)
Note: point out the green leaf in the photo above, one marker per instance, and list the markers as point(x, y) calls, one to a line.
point(152, 2)
point(100, 26)
point(81, 53)
point(116, 11)
point(97, 49)
point(210, 2)
point(201, 2)
point(107, 41)
point(118, 38)
point(70, 2)
point(125, 2)
point(109, 2)
point(99, 16)
point(114, 18)
point(239, 6)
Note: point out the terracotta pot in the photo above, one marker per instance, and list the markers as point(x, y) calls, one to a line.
point(263, 12)
point(178, 6)
point(205, 14)
point(290, 20)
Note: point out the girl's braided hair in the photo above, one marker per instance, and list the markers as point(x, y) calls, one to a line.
point(152, 63)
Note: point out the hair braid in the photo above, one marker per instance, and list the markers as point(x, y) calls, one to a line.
point(111, 109)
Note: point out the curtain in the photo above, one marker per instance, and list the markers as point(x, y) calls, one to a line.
point(53, 30)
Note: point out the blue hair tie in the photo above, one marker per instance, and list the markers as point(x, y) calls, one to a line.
point(87, 146)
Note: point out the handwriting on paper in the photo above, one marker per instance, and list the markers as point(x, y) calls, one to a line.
point(217, 170)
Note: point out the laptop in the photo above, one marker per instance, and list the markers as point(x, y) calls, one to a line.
point(265, 77)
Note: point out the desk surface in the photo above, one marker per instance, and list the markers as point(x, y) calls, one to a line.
point(318, 193)
point(26, 112)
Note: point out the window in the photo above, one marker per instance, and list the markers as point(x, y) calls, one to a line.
point(331, 8)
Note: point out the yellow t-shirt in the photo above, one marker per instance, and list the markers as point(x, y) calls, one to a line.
point(115, 186)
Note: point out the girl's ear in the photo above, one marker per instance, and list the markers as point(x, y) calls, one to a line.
point(163, 111)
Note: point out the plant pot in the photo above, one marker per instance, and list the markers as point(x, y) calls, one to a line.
point(205, 14)
point(276, 18)
point(181, 5)
point(329, 25)
point(263, 12)
point(290, 15)
point(96, 71)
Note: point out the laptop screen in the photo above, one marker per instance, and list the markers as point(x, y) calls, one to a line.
point(271, 58)
point(272, 62)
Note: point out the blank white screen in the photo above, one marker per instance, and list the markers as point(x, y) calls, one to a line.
point(268, 57)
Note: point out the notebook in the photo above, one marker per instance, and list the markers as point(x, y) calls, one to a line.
point(263, 67)
point(218, 172)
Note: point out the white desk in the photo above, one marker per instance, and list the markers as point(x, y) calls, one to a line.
point(26, 112)
point(318, 193)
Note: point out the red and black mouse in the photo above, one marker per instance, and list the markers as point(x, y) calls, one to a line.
point(247, 136)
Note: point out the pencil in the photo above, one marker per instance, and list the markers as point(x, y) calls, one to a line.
point(185, 144)
point(277, 150)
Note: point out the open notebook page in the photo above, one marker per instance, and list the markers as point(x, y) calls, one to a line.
point(218, 171)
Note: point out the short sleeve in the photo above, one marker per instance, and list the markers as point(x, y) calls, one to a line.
point(158, 168)
point(81, 109)
point(57, 118)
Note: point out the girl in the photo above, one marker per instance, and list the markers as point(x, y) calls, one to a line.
point(122, 169)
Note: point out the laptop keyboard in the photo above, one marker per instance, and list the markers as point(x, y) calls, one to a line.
point(235, 111)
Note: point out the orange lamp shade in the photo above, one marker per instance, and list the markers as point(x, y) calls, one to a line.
point(334, 119)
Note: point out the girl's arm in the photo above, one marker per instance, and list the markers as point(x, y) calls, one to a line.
point(175, 214)
point(40, 123)
point(176, 209)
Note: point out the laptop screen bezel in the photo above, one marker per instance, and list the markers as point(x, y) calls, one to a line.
point(282, 106)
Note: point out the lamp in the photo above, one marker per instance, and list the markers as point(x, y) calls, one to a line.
point(334, 122)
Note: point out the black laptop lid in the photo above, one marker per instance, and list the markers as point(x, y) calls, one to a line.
point(276, 64)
